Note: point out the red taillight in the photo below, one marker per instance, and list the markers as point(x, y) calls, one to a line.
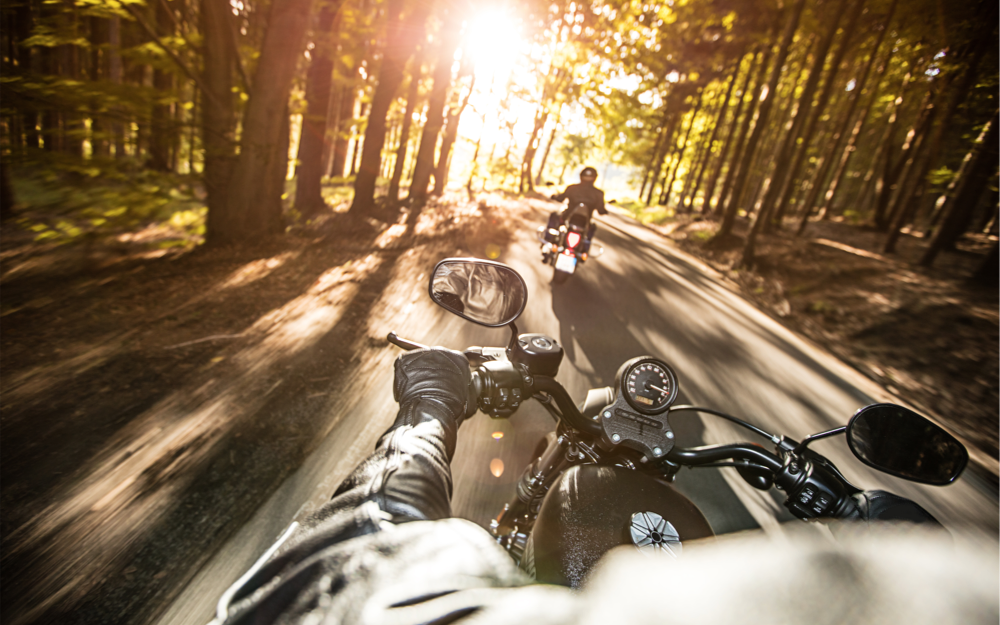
point(572, 239)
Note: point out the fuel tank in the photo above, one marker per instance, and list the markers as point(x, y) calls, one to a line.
point(592, 508)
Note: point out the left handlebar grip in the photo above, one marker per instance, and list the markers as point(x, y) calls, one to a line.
point(405, 344)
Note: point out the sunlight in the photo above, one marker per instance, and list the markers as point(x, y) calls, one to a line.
point(491, 42)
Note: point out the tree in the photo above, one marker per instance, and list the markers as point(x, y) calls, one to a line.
point(402, 35)
point(424, 165)
point(309, 173)
point(979, 166)
point(251, 212)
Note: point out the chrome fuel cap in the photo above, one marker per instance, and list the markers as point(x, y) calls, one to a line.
point(652, 533)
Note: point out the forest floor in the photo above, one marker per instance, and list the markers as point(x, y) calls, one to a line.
point(928, 336)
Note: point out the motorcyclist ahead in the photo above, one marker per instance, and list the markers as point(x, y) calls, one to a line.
point(585, 194)
point(384, 550)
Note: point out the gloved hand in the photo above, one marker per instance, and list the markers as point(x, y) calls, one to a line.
point(432, 384)
point(872, 508)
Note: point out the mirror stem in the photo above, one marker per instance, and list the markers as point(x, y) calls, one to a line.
point(513, 340)
point(816, 437)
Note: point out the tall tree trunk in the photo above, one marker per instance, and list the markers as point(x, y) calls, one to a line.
point(309, 173)
point(822, 103)
point(681, 149)
point(412, 95)
point(661, 158)
point(160, 125)
point(826, 158)
point(838, 176)
point(342, 140)
point(424, 163)
point(654, 156)
point(707, 206)
point(763, 111)
point(956, 96)
point(958, 201)
point(448, 140)
point(218, 116)
point(548, 146)
point(251, 213)
point(775, 183)
point(401, 41)
point(707, 156)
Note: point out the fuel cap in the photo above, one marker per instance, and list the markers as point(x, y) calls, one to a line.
point(650, 533)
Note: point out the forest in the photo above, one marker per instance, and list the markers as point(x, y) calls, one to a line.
point(233, 120)
point(213, 211)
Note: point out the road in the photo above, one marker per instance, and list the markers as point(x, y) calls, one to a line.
point(640, 297)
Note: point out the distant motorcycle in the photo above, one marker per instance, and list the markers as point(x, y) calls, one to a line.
point(603, 477)
point(566, 244)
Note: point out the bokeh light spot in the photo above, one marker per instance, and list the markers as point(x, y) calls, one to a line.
point(496, 467)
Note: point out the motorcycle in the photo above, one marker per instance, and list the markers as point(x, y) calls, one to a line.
point(604, 477)
point(566, 245)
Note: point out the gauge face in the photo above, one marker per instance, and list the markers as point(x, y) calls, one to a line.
point(650, 386)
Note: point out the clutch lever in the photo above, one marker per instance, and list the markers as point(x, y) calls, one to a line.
point(405, 344)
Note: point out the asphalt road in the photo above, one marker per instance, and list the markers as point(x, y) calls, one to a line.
point(639, 297)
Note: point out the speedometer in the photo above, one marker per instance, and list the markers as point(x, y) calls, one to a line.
point(649, 385)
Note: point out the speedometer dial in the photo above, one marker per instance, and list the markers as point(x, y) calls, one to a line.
point(650, 385)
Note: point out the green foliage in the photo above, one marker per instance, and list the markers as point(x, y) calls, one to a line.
point(64, 200)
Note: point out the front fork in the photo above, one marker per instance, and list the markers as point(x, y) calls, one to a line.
point(514, 523)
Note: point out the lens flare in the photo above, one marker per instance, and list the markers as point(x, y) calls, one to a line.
point(497, 435)
point(496, 467)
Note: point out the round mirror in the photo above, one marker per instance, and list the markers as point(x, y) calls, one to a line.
point(483, 291)
point(900, 442)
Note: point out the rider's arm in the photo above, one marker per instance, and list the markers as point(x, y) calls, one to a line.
point(601, 208)
point(407, 478)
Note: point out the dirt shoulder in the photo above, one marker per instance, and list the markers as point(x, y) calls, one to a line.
point(928, 336)
point(152, 401)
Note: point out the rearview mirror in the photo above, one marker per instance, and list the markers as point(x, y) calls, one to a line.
point(485, 292)
point(900, 442)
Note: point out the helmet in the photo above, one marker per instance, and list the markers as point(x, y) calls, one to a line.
point(588, 172)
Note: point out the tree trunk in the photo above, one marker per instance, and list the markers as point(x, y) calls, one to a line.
point(977, 169)
point(218, 115)
point(424, 165)
point(160, 126)
point(412, 96)
point(774, 185)
point(450, 134)
point(681, 149)
point(548, 147)
point(763, 111)
point(816, 113)
point(956, 97)
point(720, 115)
point(401, 41)
point(838, 176)
point(309, 173)
point(707, 207)
point(653, 158)
point(251, 213)
point(826, 160)
point(661, 158)
point(342, 141)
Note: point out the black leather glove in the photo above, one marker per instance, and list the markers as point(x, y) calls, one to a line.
point(409, 475)
point(432, 384)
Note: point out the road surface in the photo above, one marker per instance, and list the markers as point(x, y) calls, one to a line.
point(640, 297)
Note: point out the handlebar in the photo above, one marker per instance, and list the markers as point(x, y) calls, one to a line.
point(814, 487)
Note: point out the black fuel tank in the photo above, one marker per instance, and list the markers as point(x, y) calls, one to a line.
point(589, 510)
